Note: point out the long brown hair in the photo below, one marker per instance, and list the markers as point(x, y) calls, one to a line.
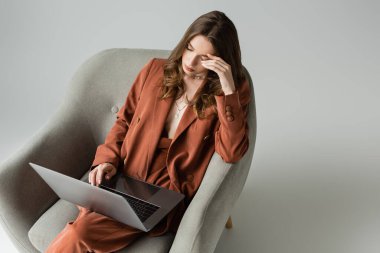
point(222, 34)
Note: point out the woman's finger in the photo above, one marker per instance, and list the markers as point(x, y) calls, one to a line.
point(111, 169)
point(217, 58)
point(212, 63)
point(112, 172)
point(99, 176)
point(213, 67)
point(93, 175)
point(223, 66)
point(219, 64)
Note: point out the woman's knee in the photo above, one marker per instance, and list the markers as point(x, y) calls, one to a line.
point(67, 240)
point(79, 229)
point(90, 227)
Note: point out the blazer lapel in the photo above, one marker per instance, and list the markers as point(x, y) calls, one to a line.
point(160, 113)
point(187, 118)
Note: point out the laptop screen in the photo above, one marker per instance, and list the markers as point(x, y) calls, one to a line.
point(131, 186)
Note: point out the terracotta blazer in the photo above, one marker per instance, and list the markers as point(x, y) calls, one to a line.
point(131, 143)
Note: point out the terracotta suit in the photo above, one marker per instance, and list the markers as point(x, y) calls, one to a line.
point(138, 145)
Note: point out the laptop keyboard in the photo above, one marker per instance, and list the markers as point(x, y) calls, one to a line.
point(143, 209)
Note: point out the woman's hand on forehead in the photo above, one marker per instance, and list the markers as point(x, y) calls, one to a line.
point(223, 69)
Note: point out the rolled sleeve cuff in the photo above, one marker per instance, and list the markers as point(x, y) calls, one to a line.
point(230, 111)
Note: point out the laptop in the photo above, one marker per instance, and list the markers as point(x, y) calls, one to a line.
point(131, 201)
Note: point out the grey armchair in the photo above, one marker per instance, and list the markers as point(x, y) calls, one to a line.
point(32, 214)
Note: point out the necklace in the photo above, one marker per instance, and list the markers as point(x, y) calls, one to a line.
point(178, 108)
point(196, 76)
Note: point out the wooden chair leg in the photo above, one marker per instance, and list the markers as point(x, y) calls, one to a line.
point(229, 223)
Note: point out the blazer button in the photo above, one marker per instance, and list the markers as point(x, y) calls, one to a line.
point(228, 108)
point(230, 118)
point(114, 109)
point(228, 113)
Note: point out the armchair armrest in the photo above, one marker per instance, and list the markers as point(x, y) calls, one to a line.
point(205, 217)
point(65, 144)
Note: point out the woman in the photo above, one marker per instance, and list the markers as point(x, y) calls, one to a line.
point(178, 112)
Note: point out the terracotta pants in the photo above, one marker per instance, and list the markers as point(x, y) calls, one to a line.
point(93, 232)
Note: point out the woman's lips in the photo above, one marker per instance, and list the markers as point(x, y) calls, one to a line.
point(189, 69)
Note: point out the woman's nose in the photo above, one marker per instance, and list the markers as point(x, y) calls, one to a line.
point(193, 62)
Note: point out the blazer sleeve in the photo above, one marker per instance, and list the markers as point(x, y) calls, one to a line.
point(109, 151)
point(231, 137)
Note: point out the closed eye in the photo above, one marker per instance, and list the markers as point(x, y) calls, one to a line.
point(203, 57)
point(187, 47)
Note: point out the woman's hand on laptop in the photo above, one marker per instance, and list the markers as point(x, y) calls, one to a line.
point(105, 169)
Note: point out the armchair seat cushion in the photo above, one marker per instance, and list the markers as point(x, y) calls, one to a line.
point(48, 226)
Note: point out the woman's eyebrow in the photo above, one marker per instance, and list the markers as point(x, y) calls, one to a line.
point(204, 55)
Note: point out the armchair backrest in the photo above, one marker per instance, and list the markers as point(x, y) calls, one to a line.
point(101, 84)
point(110, 74)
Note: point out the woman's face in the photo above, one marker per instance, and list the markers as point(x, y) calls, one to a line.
point(195, 51)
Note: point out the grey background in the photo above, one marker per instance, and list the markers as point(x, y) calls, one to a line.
point(314, 182)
